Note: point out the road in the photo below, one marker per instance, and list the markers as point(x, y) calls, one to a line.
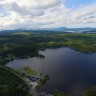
point(33, 92)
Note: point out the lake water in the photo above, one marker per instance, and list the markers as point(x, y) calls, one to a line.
point(68, 70)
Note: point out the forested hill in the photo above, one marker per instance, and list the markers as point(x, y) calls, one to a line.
point(24, 44)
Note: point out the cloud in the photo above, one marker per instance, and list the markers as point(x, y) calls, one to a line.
point(43, 13)
point(38, 4)
point(29, 7)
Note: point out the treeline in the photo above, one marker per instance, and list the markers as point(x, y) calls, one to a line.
point(28, 44)
point(11, 85)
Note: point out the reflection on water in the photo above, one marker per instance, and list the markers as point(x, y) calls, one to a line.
point(69, 71)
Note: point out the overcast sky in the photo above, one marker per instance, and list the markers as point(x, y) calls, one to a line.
point(47, 13)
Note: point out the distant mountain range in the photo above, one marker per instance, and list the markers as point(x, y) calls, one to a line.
point(73, 29)
point(59, 29)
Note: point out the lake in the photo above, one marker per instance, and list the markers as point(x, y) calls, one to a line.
point(69, 71)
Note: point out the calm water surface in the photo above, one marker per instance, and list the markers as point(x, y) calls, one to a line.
point(69, 71)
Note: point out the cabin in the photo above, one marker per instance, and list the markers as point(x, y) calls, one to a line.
point(33, 79)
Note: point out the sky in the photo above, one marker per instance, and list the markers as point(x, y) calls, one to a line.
point(15, 14)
